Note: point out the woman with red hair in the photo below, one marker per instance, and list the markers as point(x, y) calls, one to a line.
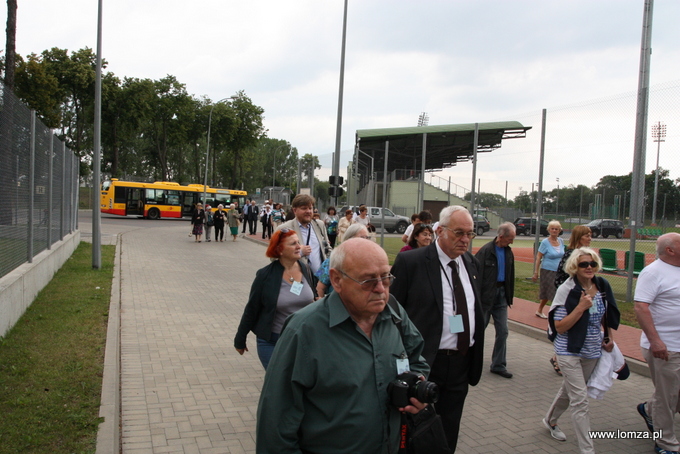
point(281, 288)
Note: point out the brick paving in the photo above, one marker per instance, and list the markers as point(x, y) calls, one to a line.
point(184, 389)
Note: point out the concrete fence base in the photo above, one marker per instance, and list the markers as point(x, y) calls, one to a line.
point(19, 288)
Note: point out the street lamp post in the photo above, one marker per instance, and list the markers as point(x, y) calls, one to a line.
point(207, 150)
point(557, 199)
point(658, 134)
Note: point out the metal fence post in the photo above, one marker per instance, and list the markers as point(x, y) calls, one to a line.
point(50, 177)
point(31, 189)
point(62, 220)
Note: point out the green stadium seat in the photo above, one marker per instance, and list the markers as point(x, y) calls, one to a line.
point(639, 262)
point(608, 260)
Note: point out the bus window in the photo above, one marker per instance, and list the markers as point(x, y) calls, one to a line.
point(172, 198)
point(154, 196)
point(120, 195)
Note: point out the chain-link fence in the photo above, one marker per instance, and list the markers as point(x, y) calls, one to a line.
point(38, 185)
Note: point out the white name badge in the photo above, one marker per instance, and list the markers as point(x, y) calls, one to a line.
point(402, 366)
point(456, 324)
point(296, 288)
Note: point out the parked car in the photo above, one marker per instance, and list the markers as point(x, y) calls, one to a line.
point(393, 222)
point(527, 226)
point(606, 228)
point(481, 225)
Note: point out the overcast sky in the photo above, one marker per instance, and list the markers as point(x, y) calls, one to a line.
point(459, 61)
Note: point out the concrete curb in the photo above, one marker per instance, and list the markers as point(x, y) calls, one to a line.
point(108, 435)
point(634, 365)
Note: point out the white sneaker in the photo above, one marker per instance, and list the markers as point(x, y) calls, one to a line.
point(555, 431)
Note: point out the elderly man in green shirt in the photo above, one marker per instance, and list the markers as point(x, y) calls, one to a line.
point(325, 390)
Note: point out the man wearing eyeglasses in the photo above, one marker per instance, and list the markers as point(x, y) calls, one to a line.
point(438, 285)
point(325, 389)
point(313, 237)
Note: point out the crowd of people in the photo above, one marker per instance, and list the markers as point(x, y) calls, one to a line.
point(331, 317)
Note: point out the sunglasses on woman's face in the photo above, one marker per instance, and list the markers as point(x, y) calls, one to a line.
point(592, 264)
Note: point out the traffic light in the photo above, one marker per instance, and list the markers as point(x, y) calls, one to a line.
point(335, 181)
point(335, 192)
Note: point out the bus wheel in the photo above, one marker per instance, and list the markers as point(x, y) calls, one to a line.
point(154, 213)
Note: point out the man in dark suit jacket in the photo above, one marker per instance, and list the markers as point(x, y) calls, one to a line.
point(497, 271)
point(253, 216)
point(446, 309)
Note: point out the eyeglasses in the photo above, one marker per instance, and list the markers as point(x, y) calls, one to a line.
point(592, 264)
point(370, 284)
point(284, 230)
point(425, 225)
point(459, 233)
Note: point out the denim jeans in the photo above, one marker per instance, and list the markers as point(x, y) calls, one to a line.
point(499, 312)
point(266, 348)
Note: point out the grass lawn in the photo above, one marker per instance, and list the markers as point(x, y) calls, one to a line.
point(51, 362)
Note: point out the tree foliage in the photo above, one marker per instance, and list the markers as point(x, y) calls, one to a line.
point(612, 192)
point(151, 129)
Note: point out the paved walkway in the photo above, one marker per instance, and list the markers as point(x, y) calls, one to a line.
point(184, 388)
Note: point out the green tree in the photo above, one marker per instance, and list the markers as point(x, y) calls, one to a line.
point(249, 130)
point(310, 163)
point(488, 200)
point(10, 44)
point(276, 163)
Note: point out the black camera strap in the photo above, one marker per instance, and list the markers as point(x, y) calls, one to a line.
point(392, 302)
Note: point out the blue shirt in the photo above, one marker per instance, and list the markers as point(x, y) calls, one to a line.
point(551, 256)
point(500, 259)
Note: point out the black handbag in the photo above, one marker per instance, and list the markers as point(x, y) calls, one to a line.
point(424, 433)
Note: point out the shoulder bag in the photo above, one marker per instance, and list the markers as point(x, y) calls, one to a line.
point(422, 433)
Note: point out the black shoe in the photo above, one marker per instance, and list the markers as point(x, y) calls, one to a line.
point(502, 373)
point(645, 416)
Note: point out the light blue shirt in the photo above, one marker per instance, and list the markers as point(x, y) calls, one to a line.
point(551, 255)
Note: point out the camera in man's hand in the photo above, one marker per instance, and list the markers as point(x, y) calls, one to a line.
point(407, 385)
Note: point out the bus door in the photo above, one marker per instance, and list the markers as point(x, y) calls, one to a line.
point(135, 202)
point(189, 200)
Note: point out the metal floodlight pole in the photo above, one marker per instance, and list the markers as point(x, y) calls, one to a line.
point(658, 134)
point(207, 148)
point(96, 164)
point(637, 190)
point(338, 131)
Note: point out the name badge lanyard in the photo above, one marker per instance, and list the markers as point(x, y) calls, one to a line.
point(446, 275)
point(456, 323)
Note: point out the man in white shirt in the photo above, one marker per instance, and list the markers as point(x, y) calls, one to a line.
point(657, 307)
point(438, 285)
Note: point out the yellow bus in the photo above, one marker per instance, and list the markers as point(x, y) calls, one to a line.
point(161, 199)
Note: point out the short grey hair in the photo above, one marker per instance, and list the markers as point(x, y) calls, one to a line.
point(338, 257)
point(447, 212)
point(354, 230)
point(554, 223)
point(506, 228)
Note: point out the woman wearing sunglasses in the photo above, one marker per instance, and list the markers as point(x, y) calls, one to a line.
point(581, 236)
point(583, 305)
